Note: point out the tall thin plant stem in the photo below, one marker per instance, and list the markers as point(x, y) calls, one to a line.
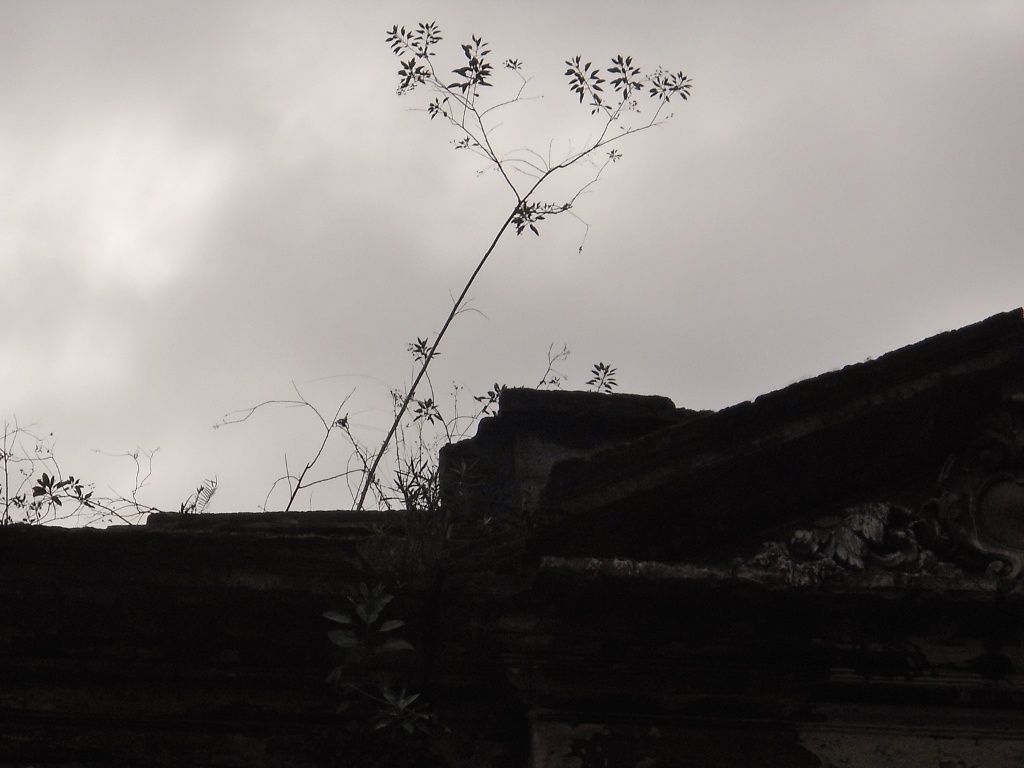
point(372, 471)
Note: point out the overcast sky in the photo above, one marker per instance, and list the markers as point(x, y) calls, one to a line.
point(204, 202)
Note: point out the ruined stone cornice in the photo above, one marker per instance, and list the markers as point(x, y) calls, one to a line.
point(882, 419)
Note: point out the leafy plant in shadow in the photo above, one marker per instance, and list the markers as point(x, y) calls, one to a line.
point(370, 667)
point(365, 633)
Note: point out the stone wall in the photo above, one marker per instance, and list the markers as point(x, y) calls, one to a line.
point(189, 641)
point(830, 576)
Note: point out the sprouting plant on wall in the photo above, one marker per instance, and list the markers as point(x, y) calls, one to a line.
point(602, 378)
point(552, 376)
point(413, 485)
point(196, 503)
point(365, 633)
point(366, 673)
point(471, 98)
point(303, 480)
point(612, 96)
point(423, 430)
point(34, 489)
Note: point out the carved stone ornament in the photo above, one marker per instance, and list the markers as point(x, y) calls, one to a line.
point(976, 522)
point(981, 506)
point(876, 536)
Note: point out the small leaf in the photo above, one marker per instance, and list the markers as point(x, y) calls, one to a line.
point(397, 645)
point(390, 625)
point(343, 638)
point(338, 617)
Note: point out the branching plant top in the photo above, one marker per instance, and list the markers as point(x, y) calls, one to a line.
point(614, 96)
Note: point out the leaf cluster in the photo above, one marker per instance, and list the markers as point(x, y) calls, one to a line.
point(489, 401)
point(399, 708)
point(420, 350)
point(477, 70)
point(415, 43)
point(426, 409)
point(602, 378)
point(587, 81)
point(196, 503)
point(665, 85)
point(24, 497)
point(417, 480)
point(528, 214)
point(50, 490)
point(365, 634)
